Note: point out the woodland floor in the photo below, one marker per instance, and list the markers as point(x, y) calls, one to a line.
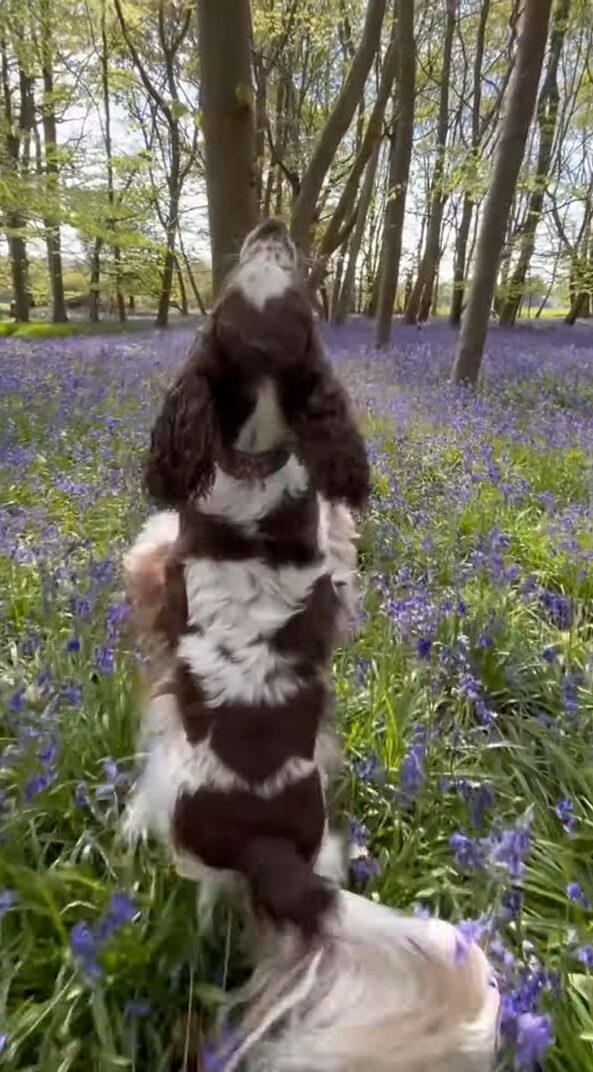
point(466, 700)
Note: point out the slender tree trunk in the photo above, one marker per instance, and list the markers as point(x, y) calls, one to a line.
point(52, 169)
point(229, 127)
point(162, 316)
point(344, 300)
point(399, 172)
point(191, 278)
point(522, 94)
point(461, 259)
point(421, 296)
point(304, 208)
point(19, 267)
point(547, 117)
point(95, 285)
point(182, 289)
point(111, 223)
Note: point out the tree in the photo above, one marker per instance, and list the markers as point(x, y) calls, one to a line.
point(51, 162)
point(399, 171)
point(166, 109)
point(229, 127)
point(14, 131)
point(547, 117)
point(522, 93)
point(419, 304)
point(306, 203)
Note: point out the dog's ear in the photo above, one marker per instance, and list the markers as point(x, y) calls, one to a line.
point(180, 463)
point(328, 440)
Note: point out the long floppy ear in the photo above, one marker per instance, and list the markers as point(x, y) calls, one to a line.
point(180, 463)
point(328, 440)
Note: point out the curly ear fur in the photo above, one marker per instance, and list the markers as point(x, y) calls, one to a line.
point(180, 462)
point(328, 440)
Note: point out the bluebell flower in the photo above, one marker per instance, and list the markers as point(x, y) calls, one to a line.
point(575, 894)
point(38, 783)
point(585, 955)
point(424, 647)
point(8, 900)
point(3, 1042)
point(73, 695)
point(104, 658)
point(369, 769)
point(84, 946)
point(550, 655)
point(469, 852)
point(411, 771)
point(564, 810)
point(122, 908)
point(81, 797)
point(73, 645)
point(534, 1037)
point(364, 869)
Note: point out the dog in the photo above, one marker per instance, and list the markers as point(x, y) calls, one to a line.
point(255, 461)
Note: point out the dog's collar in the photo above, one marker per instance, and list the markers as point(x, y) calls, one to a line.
point(243, 465)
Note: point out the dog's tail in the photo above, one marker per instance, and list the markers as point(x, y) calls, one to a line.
point(284, 886)
point(382, 993)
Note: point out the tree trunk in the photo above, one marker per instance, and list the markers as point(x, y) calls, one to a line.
point(461, 259)
point(52, 170)
point(95, 284)
point(399, 171)
point(522, 94)
point(421, 296)
point(106, 91)
point(182, 289)
point(303, 212)
point(191, 277)
point(19, 267)
point(344, 300)
point(547, 116)
point(229, 127)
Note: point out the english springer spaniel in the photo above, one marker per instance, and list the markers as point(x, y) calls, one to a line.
point(258, 459)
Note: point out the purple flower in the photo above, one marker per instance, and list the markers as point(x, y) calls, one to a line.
point(534, 1036)
point(104, 658)
point(38, 784)
point(424, 647)
point(510, 847)
point(411, 772)
point(364, 869)
point(122, 908)
point(81, 797)
point(3, 1041)
point(549, 655)
point(369, 769)
point(84, 946)
point(469, 932)
point(73, 645)
point(585, 955)
point(468, 852)
point(575, 894)
point(8, 900)
point(565, 813)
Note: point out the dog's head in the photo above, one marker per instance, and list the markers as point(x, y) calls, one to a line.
point(258, 381)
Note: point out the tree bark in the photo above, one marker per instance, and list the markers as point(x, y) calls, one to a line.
point(460, 259)
point(547, 117)
point(95, 284)
point(419, 304)
point(399, 172)
point(522, 94)
point(52, 169)
point(106, 90)
point(344, 300)
point(305, 205)
point(229, 127)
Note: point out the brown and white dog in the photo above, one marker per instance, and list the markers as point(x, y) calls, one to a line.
point(240, 587)
point(258, 459)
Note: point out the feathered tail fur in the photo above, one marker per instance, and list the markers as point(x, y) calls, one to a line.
point(383, 993)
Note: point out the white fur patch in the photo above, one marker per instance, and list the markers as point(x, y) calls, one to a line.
point(237, 607)
point(266, 427)
point(159, 531)
point(242, 501)
point(262, 277)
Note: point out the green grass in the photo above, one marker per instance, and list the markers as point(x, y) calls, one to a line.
point(72, 328)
